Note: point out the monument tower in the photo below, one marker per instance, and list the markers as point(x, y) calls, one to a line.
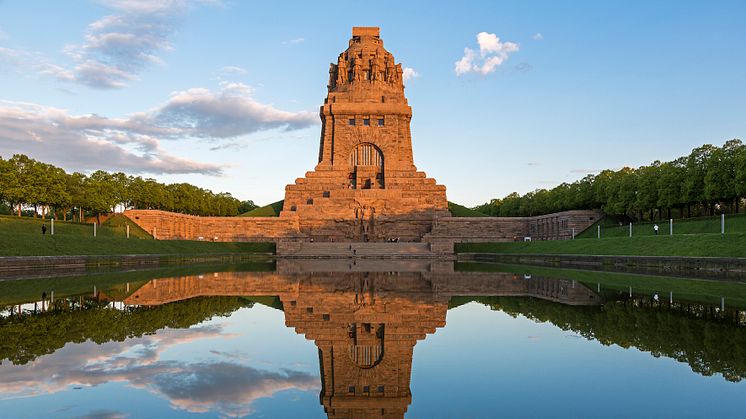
point(365, 185)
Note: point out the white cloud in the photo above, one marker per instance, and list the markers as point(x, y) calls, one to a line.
point(227, 113)
point(409, 74)
point(492, 53)
point(537, 36)
point(295, 41)
point(232, 69)
point(133, 144)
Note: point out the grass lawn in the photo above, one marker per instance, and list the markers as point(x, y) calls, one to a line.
point(694, 290)
point(22, 237)
point(703, 245)
point(734, 223)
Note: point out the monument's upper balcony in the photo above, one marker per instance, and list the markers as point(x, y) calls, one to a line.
point(365, 72)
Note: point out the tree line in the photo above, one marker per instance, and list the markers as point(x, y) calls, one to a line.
point(49, 190)
point(708, 181)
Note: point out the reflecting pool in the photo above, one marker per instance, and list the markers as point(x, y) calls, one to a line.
point(366, 338)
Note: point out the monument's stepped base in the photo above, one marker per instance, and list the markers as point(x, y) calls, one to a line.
point(355, 250)
point(420, 235)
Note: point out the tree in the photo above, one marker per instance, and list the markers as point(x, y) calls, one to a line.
point(247, 206)
point(670, 185)
point(696, 168)
point(647, 188)
point(720, 176)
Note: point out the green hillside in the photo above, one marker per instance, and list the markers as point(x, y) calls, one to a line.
point(271, 210)
point(461, 211)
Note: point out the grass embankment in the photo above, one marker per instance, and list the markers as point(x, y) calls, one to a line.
point(21, 236)
point(461, 211)
point(697, 245)
point(734, 223)
point(694, 290)
point(271, 210)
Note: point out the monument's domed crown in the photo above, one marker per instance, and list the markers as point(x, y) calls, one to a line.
point(366, 72)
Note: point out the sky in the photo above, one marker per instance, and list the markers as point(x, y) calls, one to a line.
point(506, 96)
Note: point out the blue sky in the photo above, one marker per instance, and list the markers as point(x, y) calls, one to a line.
point(225, 94)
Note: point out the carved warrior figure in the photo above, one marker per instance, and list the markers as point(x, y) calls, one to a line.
point(357, 69)
point(332, 75)
point(341, 70)
point(375, 69)
point(390, 71)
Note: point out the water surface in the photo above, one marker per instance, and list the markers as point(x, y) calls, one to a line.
point(371, 339)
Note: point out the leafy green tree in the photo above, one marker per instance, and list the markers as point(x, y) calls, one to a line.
point(696, 168)
point(720, 176)
point(247, 206)
point(670, 185)
point(647, 188)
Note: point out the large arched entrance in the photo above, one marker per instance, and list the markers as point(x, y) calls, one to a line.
point(366, 167)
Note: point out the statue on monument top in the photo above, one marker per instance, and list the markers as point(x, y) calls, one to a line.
point(357, 69)
point(332, 75)
point(375, 69)
point(341, 70)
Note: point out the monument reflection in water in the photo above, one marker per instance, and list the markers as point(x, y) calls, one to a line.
point(364, 322)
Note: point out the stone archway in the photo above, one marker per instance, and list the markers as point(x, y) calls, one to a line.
point(366, 167)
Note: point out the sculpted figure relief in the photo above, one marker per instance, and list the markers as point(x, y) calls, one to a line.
point(390, 71)
point(341, 70)
point(332, 75)
point(375, 70)
point(357, 71)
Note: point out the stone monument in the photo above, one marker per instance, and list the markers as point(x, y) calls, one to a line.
point(365, 185)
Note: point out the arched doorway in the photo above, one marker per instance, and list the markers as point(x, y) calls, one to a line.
point(366, 167)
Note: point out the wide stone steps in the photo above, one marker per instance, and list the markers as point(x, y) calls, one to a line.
point(364, 250)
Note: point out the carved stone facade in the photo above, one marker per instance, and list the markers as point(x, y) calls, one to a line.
point(365, 186)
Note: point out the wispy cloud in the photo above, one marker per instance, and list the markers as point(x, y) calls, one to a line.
point(294, 41)
point(492, 53)
point(584, 171)
point(116, 48)
point(537, 36)
point(133, 144)
point(233, 70)
point(523, 67)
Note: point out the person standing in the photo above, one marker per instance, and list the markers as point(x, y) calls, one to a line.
point(43, 229)
point(655, 227)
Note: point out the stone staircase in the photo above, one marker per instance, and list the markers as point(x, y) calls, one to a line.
point(380, 250)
